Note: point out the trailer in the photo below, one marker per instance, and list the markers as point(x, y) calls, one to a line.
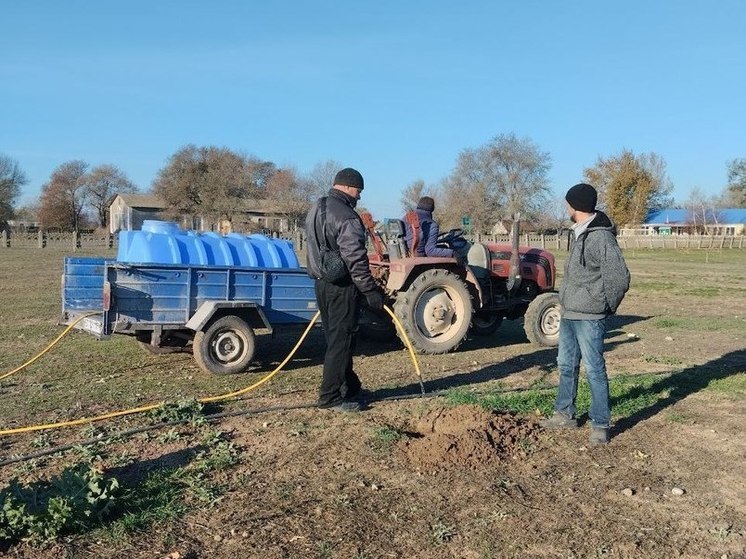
point(215, 310)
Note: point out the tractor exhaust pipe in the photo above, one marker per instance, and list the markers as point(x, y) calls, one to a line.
point(514, 279)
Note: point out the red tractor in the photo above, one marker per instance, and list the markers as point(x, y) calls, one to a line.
point(439, 300)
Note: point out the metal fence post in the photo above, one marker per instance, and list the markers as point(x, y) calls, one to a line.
point(40, 239)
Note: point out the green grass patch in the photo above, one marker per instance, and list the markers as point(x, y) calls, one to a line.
point(701, 324)
point(676, 417)
point(524, 402)
point(652, 285)
point(667, 322)
point(734, 385)
point(664, 360)
point(385, 437)
point(630, 394)
point(73, 501)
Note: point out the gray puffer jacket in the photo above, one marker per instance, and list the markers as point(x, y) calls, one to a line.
point(344, 232)
point(596, 276)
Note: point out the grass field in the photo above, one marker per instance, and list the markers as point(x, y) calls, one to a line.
point(678, 370)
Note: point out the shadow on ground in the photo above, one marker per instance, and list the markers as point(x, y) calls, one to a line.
point(678, 386)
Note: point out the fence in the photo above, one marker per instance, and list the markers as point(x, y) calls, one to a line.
point(559, 242)
point(74, 241)
point(71, 241)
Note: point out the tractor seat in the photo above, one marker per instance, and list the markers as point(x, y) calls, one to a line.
point(396, 237)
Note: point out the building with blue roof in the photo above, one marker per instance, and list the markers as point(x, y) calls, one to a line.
point(726, 221)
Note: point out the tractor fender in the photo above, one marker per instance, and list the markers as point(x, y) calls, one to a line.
point(404, 270)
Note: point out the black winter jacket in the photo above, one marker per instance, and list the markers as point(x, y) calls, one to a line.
point(344, 232)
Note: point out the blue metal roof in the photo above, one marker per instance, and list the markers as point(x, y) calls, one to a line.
point(727, 216)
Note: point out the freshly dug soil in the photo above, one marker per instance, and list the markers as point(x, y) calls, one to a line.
point(468, 437)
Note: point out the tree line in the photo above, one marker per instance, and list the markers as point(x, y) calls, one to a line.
point(508, 174)
point(487, 184)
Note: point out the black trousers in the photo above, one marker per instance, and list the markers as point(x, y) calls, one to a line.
point(339, 306)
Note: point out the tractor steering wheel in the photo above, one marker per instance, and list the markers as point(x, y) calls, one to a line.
point(450, 235)
point(452, 239)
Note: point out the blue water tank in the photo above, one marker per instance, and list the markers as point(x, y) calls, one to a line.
point(164, 242)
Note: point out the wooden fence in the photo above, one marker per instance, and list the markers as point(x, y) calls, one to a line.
point(74, 241)
point(70, 241)
point(559, 242)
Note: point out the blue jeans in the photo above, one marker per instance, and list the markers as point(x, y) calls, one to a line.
point(583, 338)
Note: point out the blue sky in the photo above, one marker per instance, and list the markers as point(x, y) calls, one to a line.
point(395, 89)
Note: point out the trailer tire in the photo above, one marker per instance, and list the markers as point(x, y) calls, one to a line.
point(225, 347)
point(542, 318)
point(435, 311)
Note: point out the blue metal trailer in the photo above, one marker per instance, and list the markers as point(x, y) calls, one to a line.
point(168, 307)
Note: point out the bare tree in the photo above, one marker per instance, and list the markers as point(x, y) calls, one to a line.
point(321, 177)
point(12, 179)
point(735, 192)
point(506, 175)
point(412, 194)
point(63, 198)
point(630, 186)
point(101, 184)
point(211, 181)
point(291, 195)
point(553, 216)
point(703, 212)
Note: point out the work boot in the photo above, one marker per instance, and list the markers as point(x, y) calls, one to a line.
point(599, 435)
point(363, 396)
point(559, 421)
point(346, 406)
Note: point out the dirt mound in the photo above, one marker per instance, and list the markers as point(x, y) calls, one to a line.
point(468, 437)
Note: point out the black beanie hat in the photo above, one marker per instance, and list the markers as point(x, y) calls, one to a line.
point(426, 203)
point(582, 197)
point(349, 177)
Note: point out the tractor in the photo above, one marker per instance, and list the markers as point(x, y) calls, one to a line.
point(438, 301)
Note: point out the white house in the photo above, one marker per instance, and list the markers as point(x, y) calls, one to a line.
point(128, 211)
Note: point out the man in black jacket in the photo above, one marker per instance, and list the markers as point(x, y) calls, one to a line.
point(333, 224)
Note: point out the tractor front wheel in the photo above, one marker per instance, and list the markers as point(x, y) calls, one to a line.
point(435, 311)
point(542, 320)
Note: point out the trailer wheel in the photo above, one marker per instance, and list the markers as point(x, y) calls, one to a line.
point(542, 320)
point(485, 324)
point(226, 347)
point(435, 311)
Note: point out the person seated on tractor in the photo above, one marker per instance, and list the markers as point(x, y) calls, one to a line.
point(423, 231)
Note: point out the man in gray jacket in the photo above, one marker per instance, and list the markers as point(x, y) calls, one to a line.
point(595, 281)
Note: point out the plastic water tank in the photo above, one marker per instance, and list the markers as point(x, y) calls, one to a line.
point(164, 242)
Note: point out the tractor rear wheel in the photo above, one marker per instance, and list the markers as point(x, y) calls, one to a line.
point(435, 311)
point(542, 319)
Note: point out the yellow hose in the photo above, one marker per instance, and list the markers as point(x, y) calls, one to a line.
point(50, 346)
point(204, 400)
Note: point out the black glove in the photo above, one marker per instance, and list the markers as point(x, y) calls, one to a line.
point(374, 299)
